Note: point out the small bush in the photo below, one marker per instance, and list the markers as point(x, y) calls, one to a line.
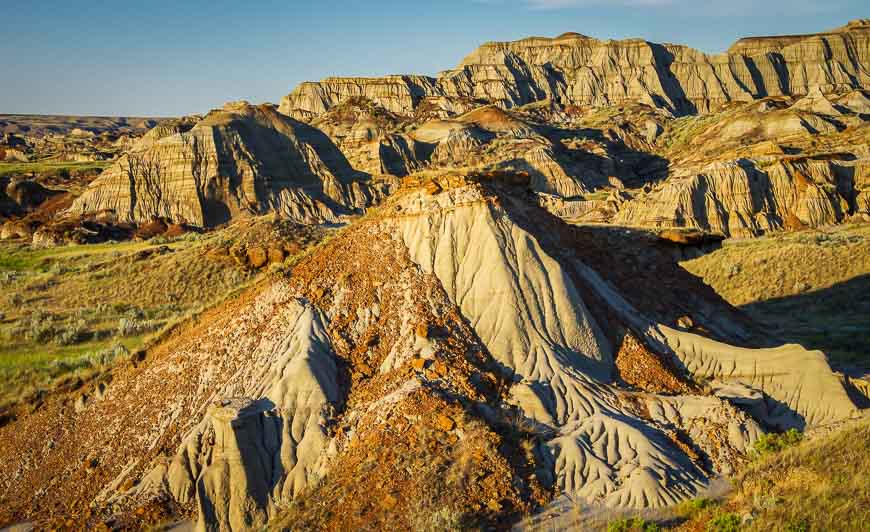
point(59, 268)
point(725, 522)
point(694, 507)
point(133, 323)
point(97, 360)
point(41, 327)
point(772, 443)
point(800, 525)
point(72, 333)
point(109, 355)
point(632, 524)
point(130, 326)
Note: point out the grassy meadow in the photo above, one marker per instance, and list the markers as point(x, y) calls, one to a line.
point(51, 167)
point(68, 311)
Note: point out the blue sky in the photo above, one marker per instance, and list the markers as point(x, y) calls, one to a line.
point(166, 58)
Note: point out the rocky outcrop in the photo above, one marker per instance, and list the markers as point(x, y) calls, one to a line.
point(397, 94)
point(20, 196)
point(236, 161)
point(250, 454)
point(367, 135)
point(744, 198)
point(529, 312)
point(806, 394)
point(582, 71)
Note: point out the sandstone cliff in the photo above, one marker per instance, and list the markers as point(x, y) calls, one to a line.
point(577, 70)
point(236, 161)
point(743, 199)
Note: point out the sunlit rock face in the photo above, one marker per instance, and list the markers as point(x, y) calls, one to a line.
point(578, 70)
point(238, 160)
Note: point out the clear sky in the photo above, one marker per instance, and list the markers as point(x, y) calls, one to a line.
point(166, 58)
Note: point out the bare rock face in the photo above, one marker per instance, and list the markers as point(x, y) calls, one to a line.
point(236, 161)
point(604, 449)
point(532, 110)
point(366, 134)
point(233, 486)
point(249, 454)
point(743, 199)
point(805, 395)
point(397, 94)
point(577, 70)
point(862, 187)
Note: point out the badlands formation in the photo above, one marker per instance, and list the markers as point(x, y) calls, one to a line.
point(238, 159)
point(771, 135)
point(484, 338)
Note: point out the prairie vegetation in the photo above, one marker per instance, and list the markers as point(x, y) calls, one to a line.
point(73, 309)
point(805, 287)
point(818, 484)
point(51, 167)
point(69, 312)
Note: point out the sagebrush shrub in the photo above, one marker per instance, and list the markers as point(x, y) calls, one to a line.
point(772, 443)
point(632, 524)
point(129, 326)
point(725, 522)
point(41, 327)
point(72, 333)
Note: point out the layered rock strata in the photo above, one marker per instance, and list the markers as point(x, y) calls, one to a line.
point(236, 161)
point(744, 199)
point(577, 70)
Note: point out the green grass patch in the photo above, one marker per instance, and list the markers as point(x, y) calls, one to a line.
point(774, 443)
point(25, 357)
point(23, 258)
point(632, 524)
point(51, 167)
point(725, 522)
point(818, 484)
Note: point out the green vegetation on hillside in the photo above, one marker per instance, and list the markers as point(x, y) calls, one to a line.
point(67, 311)
point(51, 167)
point(819, 484)
point(822, 484)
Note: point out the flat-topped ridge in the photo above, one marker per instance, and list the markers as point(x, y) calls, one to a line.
point(574, 69)
point(781, 41)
